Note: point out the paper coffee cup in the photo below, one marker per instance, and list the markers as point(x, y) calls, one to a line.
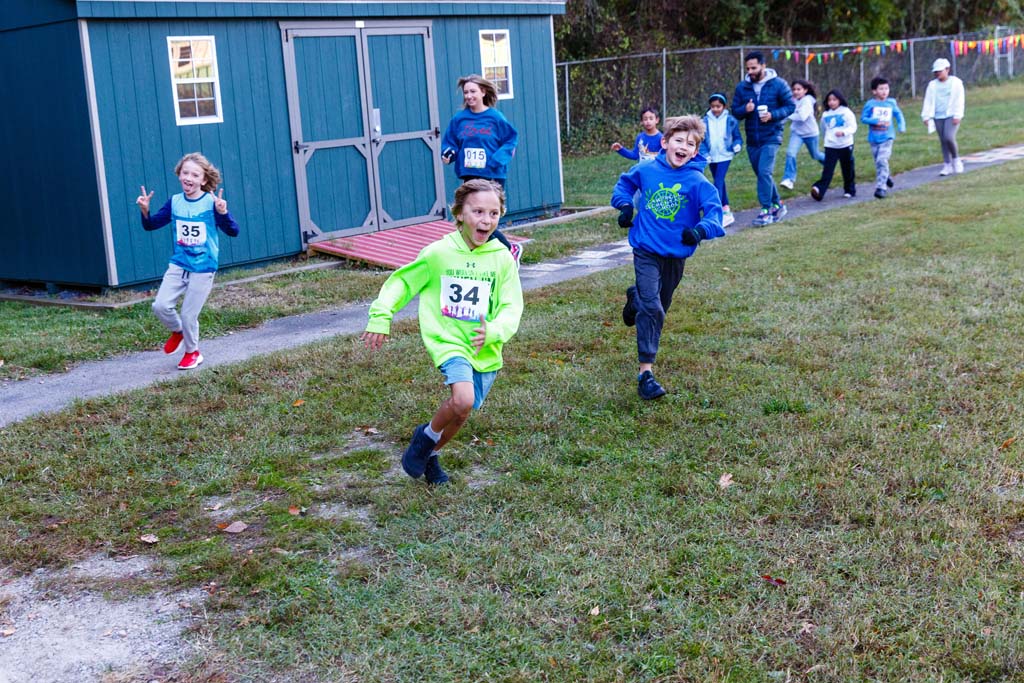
point(762, 108)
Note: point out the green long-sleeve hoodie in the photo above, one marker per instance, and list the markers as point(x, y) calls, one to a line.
point(453, 280)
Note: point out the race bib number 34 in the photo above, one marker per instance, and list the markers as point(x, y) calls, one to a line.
point(191, 233)
point(464, 299)
point(474, 157)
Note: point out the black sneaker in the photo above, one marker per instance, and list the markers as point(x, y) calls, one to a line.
point(816, 193)
point(889, 183)
point(433, 472)
point(648, 387)
point(629, 310)
point(414, 460)
point(880, 193)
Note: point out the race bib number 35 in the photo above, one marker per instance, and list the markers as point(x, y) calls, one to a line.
point(464, 299)
point(191, 233)
point(474, 157)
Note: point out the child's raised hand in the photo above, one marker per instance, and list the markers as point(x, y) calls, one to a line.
point(616, 146)
point(481, 336)
point(373, 340)
point(219, 203)
point(143, 200)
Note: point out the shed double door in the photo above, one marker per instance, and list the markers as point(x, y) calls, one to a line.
point(362, 104)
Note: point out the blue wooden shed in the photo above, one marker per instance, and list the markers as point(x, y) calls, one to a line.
point(324, 117)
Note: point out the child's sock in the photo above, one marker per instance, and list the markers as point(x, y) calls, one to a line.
point(434, 436)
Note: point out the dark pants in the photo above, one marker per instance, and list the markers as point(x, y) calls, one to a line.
point(718, 171)
point(656, 280)
point(497, 234)
point(845, 158)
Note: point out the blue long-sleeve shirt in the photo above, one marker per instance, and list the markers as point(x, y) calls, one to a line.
point(672, 200)
point(883, 111)
point(482, 143)
point(196, 221)
point(645, 148)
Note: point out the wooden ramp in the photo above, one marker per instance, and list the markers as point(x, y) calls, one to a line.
point(390, 248)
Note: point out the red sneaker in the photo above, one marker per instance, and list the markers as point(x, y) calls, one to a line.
point(173, 342)
point(190, 360)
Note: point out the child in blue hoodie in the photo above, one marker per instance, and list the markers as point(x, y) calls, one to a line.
point(882, 115)
point(678, 209)
point(721, 143)
point(648, 140)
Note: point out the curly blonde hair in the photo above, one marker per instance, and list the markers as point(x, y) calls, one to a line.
point(211, 176)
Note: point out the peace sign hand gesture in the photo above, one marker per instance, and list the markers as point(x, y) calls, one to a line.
point(219, 203)
point(143, 200)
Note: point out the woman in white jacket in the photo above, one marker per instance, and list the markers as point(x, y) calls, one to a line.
point(942, 111)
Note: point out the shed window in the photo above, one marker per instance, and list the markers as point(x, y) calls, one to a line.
point(496, 58)
point(194, 80)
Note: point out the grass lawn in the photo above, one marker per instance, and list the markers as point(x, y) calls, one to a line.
point(858, 373)
point(993, 118)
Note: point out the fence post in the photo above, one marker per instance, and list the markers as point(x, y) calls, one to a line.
point(953, 54)
point(664, 81)
point(743, 65)
point(913, 72)
point(568, 123)
point(807, 64)
point(862, 75)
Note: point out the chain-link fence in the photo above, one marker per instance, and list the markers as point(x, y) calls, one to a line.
point(600, 99)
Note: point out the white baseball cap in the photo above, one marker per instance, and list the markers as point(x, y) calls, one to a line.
point(940, 64)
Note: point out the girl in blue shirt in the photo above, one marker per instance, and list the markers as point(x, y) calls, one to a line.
point(480, 141)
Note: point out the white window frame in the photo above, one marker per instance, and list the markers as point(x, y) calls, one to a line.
point(486, 61)
point(214, 79)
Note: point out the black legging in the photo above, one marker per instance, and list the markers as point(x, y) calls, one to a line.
point(844, 156)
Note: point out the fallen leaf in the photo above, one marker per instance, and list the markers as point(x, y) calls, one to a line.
point(235, 527)
point(214, 508)
point(294, 510)
point(8, 632)
point(595, 610)
point(371, 431)
point(1007, 443)
point(149, 538)
point(725, 481)
point(607, 324)
point(808, 628)
point(774, 580)
point(298, 403)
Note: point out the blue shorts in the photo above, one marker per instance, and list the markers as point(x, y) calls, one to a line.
point(458, 369)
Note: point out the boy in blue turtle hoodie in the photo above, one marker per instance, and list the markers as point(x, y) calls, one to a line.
point(678, 209)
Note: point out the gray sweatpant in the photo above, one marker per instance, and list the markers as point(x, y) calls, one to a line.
point(195, 287)
point(946, 130)
point(881, 151)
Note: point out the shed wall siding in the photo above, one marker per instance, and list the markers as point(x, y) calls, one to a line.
point(534, 181)
point(142, 142)
point(53, 229)
point(26, 13)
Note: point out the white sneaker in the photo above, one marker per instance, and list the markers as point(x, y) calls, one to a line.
point(958, 166)
point(727, 219)
point(786, 183)
point(947, 169)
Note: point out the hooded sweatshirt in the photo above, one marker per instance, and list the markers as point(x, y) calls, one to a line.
point(771, 91)
point(456, 285)
point(672, 200)
point(804, 124)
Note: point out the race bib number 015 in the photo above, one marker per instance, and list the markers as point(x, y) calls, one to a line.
point(191, 233)
point(474, 157)
point(464, 299)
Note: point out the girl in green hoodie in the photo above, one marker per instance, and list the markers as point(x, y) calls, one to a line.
point(470, 304)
